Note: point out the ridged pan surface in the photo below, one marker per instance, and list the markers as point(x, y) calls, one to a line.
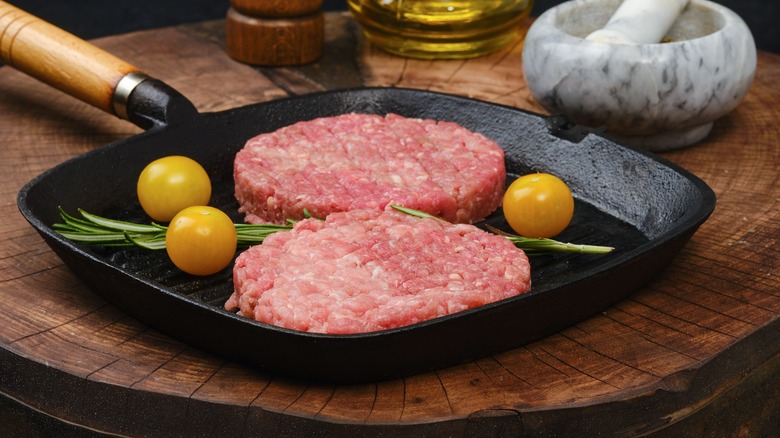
point(643, 206)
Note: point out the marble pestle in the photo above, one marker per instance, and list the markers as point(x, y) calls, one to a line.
point(639, 22)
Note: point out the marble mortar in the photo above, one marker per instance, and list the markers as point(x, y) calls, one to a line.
point(653, 96)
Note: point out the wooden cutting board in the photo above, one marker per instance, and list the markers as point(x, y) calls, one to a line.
point(695, 352)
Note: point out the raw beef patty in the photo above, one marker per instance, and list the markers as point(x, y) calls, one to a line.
point(370, 270)
point(362, 161)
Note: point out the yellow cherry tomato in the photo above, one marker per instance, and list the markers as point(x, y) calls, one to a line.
point(538, 205)
point(201, 240)
point(169, 184)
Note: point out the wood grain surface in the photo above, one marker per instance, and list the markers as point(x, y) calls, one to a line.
point(696, 351)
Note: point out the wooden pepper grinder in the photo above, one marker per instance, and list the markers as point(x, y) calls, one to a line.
point(275, 32)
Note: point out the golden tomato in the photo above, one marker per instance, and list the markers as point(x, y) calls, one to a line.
point(169, 184)
point(201, 240)
point(538, 205)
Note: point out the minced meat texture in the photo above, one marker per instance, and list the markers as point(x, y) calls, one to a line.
point(363, 161)
point(370, 270)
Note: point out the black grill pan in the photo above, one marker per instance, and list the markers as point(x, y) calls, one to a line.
point(644, 206)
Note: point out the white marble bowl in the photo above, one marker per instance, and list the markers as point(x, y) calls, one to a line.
point(654, 96)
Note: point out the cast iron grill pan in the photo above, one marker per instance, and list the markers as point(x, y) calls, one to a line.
point(644, 206)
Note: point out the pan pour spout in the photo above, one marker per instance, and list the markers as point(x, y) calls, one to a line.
point(86, 72)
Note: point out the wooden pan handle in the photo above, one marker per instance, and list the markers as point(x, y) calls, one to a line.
point(65, 61)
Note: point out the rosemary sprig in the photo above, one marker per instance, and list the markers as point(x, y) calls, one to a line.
point(95, 230)
point(529, 245)
point(533, 246)
point(92, 229)
point(416, 213)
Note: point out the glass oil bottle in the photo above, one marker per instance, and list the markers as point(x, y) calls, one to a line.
point(441, 28)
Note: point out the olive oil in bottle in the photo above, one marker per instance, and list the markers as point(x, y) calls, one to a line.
point(441, 28)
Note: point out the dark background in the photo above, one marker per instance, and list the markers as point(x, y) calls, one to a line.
point(94, 18)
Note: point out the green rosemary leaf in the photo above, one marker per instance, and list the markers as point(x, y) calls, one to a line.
point(94, 238)
point(120, 225)
point(148, 243)
point(413, 212)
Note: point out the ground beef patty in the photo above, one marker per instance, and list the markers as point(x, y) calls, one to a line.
point(358, 161)
point(369, 270)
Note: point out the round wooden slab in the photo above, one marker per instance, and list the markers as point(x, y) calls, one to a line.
point(695, 352)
